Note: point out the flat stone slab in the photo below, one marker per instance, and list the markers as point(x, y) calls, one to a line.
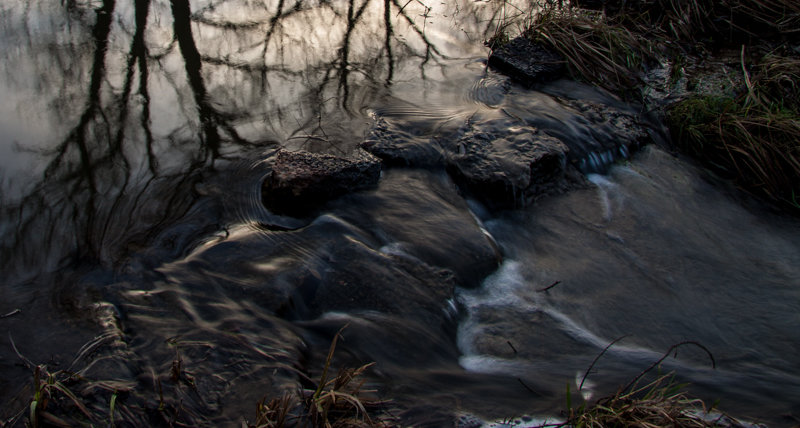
point(527, 62)
point(507, 165)
point(302, 181)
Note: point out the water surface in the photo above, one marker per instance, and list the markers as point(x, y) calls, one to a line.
point(134, 137)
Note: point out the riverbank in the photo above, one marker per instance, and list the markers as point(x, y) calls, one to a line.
point(721, 74)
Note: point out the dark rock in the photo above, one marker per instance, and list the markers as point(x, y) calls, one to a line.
point(361, 279)
point(616, 135)
point(507, 165)
point(597, 130)
point(516, 321)
point(396, 147)
point(447, 235)
point(302, 181)
point(527, 62)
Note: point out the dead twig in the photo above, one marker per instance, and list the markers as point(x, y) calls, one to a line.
point(12, 313)
point(531, 390)
point(664, 357)
point(28, 364)
point(580, 387)
point(548, 287)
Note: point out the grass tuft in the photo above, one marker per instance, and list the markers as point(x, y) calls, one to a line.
point(751, 136)
point(50, 392)
point(275, 413)
point(708, 21)
point(338, 402)
point(660, 403)
point(755, 143)
point(597, 48)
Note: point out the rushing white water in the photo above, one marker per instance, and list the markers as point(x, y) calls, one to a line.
point(650, 256)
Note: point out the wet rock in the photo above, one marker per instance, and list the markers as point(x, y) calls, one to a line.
point(361, 279)
point(615, 135)
point(507, 165)
point(719, 75)
point(301, 181)
point(527, 62)
point(597, 129)
point(329, 266)
point(532, 333)
point(444, 234)
point(396, 147)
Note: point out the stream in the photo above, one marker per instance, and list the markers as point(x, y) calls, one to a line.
point(137, 253)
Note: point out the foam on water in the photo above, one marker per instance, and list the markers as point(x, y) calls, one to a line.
point(504, 290)
point(507, 293)
point(604, 186)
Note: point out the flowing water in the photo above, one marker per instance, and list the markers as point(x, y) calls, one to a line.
point(134, 138)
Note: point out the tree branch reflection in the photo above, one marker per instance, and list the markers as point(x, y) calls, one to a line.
point(155, 106)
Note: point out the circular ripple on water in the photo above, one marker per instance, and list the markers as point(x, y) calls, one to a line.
point(490, 90)
point(238, 188)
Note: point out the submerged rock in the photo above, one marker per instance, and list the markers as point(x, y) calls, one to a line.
point(301, 181)
point(359, 278)
point(444, 235)
point(399, 148)
point(527, 62)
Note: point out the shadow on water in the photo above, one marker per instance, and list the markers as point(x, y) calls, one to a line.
point(136, 137)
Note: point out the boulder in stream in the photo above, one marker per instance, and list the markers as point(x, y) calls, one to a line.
point(507, 165)
point(419, 214)
point(301, 181)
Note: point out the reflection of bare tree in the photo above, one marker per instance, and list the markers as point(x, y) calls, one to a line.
point(280, 42)
point(76, 170)
point(291, 70)
point(430, 48)
point(78, 205)
point(137, 60)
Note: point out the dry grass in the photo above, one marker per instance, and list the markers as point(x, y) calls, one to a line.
point(775, 81)
point(274, 413)
point(596, 48)
point(51, 398)
point(711, 20)
point(754, 138)
point(661, 403)
point(338, 402)
point(780, 16)
point(613, 46)
point(50, 390)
